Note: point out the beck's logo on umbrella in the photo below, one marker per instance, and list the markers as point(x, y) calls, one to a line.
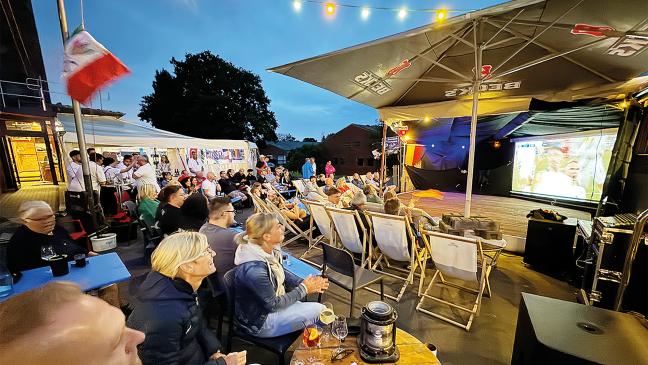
point(395, 70)
point(591, 30)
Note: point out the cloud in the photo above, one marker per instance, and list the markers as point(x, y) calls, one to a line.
point(297, 108)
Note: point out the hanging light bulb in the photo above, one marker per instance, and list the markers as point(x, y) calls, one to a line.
point(402, 13)
point(297, 5)
point(364, 13)
point(441, 15)
point(329, 8)
point(426, 119)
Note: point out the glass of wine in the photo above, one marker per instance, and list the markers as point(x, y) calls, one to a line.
point(311, 338)
point(340, 330)
point(327, 316)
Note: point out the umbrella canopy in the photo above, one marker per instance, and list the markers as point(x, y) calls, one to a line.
point(551, 50)
point(492, 61)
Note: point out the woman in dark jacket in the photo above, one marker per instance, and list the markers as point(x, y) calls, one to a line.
point(168, 311)
point(267, 297)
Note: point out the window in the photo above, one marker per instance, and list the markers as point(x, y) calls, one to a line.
point(281, 159)
point(361, 162)
point(352, 144)
point(370, 162)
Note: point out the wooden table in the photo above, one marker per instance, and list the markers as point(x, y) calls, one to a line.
point(412, 351)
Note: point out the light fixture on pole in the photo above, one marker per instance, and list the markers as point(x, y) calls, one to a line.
point(329, 8)
point(297, 5)
point(402, 13)
point(364, 13)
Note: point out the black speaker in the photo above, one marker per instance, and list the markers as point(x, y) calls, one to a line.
point(552, 331)
point(549, 246)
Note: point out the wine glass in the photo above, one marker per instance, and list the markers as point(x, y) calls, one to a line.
point(327, 316)
point(340, 330)
point(311, 338)
point(47, 252)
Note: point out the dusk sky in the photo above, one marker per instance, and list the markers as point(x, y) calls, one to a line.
point(252, 34)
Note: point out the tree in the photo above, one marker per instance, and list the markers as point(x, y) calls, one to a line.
point(286, 137)
point(297, 156)
point(309, 139)
point(208, 97)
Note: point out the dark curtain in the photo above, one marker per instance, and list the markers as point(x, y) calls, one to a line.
point(617, 174)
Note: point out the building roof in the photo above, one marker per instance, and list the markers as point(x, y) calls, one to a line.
point(367, 127)
point(60, 108)
point(289, 145)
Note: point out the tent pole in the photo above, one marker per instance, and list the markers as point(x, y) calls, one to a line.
point(473, 121)
point(78, 124)
point(383, 160)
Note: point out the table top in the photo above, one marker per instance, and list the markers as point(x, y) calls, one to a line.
point(557, 325)
point(299, 267)
point(412, 351)
point(100, 271)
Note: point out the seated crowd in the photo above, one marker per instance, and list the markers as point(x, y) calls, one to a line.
point(202, 240)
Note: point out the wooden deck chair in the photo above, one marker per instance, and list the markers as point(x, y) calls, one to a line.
point(259, 205)
point(299, 186)
point(291, 226)
point(320, 218)
point(346, 224)
point(457, 258)
point(396, 242)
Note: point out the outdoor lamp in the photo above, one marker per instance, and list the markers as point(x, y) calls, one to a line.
point(156, 158)
point(377, 339)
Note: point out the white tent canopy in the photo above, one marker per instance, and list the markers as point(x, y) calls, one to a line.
point(110, 131)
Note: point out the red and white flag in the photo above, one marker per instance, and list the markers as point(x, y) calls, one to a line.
point(88, 66)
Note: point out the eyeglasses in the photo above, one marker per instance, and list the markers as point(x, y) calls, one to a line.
point(207, 251)
point(342, 354)
point(41, 219)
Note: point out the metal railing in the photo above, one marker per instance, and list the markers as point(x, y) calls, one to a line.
point(22, 92)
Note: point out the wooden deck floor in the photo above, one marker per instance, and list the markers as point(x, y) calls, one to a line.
point(509, 212)
point(52, 194)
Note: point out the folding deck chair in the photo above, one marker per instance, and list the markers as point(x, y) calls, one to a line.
point(319, 217)
point(291, 226)
point(346, 228)
point(299, 186)
point(459, 258)
point(396, 242)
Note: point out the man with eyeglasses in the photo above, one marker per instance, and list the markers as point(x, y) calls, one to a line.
point(219, 234)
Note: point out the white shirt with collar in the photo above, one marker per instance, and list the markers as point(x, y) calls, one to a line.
point(209, 188)
point(125, 175)
point(96, 175)
point(75, 176)
point(195, 166)
point(145, 174)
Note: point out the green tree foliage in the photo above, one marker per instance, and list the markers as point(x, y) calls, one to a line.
point(297, 156)
point(208, 97)
point(286, 137)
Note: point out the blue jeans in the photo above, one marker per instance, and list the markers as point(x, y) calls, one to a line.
point(290, 319)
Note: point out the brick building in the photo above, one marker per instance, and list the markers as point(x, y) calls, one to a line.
point(349, 150)
point(278, 151)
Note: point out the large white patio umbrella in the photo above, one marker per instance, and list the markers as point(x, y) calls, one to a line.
point(491, 61)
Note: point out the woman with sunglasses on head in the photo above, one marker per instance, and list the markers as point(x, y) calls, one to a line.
point(168, 311)
point(268, 299)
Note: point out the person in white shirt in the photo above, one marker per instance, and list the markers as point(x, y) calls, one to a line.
point(194, 163)
point(126, 167)
point(97, 172)
point(145, 173)
point(110, 169)
point(210, 186)
point(312, 161)
point(74, 172)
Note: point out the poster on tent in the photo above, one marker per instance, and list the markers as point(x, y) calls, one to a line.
point(225, 155)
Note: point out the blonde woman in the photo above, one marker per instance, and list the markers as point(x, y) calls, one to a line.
point(268, 299)
point(168, 311)
point(147, 202)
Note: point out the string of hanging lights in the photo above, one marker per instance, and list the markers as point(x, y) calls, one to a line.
point(330, 8)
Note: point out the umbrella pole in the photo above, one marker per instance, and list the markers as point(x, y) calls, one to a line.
point(473, 121)
point(382, 155)
point(78, 124)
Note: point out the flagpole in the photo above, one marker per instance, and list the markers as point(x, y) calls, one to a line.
point(78, 124)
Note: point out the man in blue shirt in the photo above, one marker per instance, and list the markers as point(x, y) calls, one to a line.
point(307, 169)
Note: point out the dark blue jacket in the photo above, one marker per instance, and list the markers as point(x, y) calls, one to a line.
point(255, 290)
point(169, 315)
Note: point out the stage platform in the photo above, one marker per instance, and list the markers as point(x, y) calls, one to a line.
point(510, 213)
